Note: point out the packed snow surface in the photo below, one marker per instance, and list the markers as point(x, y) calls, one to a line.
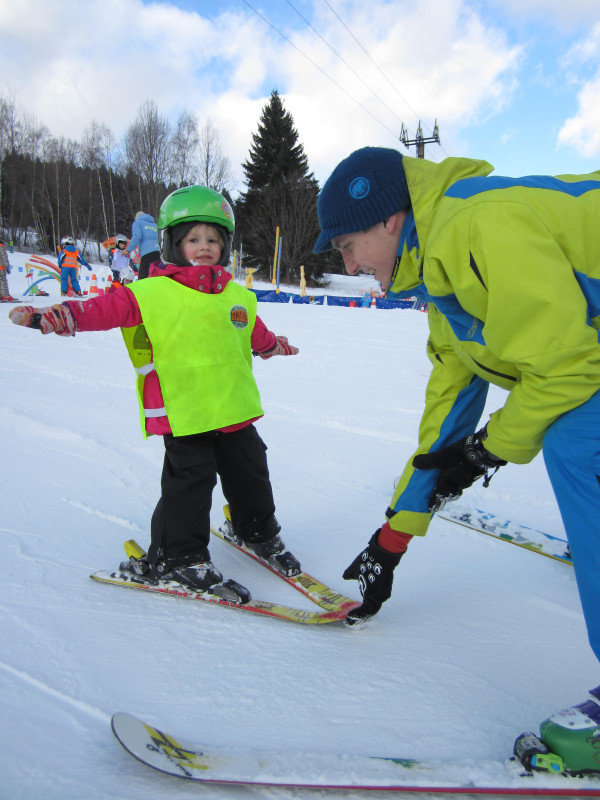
point(480, 641)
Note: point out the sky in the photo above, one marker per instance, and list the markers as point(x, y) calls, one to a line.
point(514, 82)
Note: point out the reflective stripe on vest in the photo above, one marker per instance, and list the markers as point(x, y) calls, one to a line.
point(70, 259)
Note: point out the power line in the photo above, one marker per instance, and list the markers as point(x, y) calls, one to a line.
point(302, 53)
point(368, 55)
point(382, 73)
point(350, 67)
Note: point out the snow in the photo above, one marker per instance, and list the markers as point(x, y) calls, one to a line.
point(479, 642)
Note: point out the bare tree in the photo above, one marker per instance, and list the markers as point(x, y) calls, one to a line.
point(108, 147)
point(34, 137)
point(184, 145)
point(91, 157)
point(62, 154)
point(214, 167)
point(11, 132)
point(148, 153)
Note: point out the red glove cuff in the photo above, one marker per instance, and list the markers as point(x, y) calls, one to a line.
point(393, 541)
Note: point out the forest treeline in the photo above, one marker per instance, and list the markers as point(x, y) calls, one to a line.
point(91, 189)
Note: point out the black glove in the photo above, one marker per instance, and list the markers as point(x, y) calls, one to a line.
point(460, 465)
point(374, 571)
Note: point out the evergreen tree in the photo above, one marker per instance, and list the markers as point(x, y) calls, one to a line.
point(281, 192)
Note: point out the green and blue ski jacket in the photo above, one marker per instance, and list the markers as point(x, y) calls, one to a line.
point(511, 270)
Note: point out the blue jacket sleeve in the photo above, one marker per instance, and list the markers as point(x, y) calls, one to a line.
point(136, 236)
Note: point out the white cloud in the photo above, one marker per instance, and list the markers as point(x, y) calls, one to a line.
point(582, 131)
point(70, 62)
point(441, 61)
point(564, 15)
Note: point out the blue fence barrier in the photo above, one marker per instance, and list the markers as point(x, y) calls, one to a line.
point(271, 296)
point(312, 300)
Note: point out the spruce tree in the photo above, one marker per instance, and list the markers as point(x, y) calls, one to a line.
point(281, 192)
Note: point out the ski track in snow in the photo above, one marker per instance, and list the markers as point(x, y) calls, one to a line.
point(480, 640)
point(41, 686)
point(124, 523)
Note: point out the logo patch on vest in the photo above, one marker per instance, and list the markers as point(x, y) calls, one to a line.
point(239, 316)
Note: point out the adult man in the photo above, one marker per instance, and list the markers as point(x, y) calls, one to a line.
point(511, 270)
point(144, 236)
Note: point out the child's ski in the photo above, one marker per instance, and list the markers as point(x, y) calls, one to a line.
point(323, 770)
point(337, 606)
point(316, 591)
point(508, 531)
point(255, 606)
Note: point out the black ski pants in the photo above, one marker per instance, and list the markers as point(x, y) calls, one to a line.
point(180, 524)
point(145, 262)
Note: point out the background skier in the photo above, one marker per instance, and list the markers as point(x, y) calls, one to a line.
point(5, 295)
point(144, 236)
point(120, 262)
point(69, 259)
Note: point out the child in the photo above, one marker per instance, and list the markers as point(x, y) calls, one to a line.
point(119, 261)
point(5, 296)
point(190, 331)
point(68, 259)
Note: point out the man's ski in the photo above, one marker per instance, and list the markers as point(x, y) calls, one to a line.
point(275, 610)
point(508, 531)
point(316, 591)
point(292, 769)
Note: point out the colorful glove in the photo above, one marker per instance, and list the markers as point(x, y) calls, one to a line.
point(50, 319)
point(280, 348)
point(460, 465)
point(374, 571)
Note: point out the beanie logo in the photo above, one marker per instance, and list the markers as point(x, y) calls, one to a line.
point(359, 188)
point(239, 317)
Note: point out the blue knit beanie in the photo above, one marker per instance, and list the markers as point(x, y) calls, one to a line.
point(364, 189)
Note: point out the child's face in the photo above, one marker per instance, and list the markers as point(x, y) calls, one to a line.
point(121, 245)
point(202, 245)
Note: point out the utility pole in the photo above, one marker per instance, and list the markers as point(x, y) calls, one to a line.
point(420, 141)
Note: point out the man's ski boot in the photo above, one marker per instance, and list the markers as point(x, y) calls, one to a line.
point(201, 577)
point(266, 545)
point(569, 741)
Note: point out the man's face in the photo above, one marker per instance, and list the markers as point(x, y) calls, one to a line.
point(372, 252)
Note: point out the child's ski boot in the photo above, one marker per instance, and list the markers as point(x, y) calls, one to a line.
point(266, 545)
point(569, 740)
point(201, 577)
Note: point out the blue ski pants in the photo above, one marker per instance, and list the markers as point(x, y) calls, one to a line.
point(66, 274)
point(572, 454)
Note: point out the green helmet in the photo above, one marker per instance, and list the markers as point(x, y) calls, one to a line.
point(194, 204)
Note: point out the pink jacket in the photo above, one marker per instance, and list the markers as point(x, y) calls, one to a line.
point(119, 309)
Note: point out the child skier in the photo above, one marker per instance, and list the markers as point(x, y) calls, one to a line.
point(68, 259)
point(190, 332)
point(5, 296)
point(120, 262)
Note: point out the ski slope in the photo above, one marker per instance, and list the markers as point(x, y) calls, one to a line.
point(480, 641)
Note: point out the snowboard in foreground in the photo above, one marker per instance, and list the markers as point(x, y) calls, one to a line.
point(508, 531)
point(249, 766)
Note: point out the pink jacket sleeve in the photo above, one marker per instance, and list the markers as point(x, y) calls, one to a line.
point(115, 309)
point(262, 339)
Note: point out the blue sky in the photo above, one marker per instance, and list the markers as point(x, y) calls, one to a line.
point(515, 82)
